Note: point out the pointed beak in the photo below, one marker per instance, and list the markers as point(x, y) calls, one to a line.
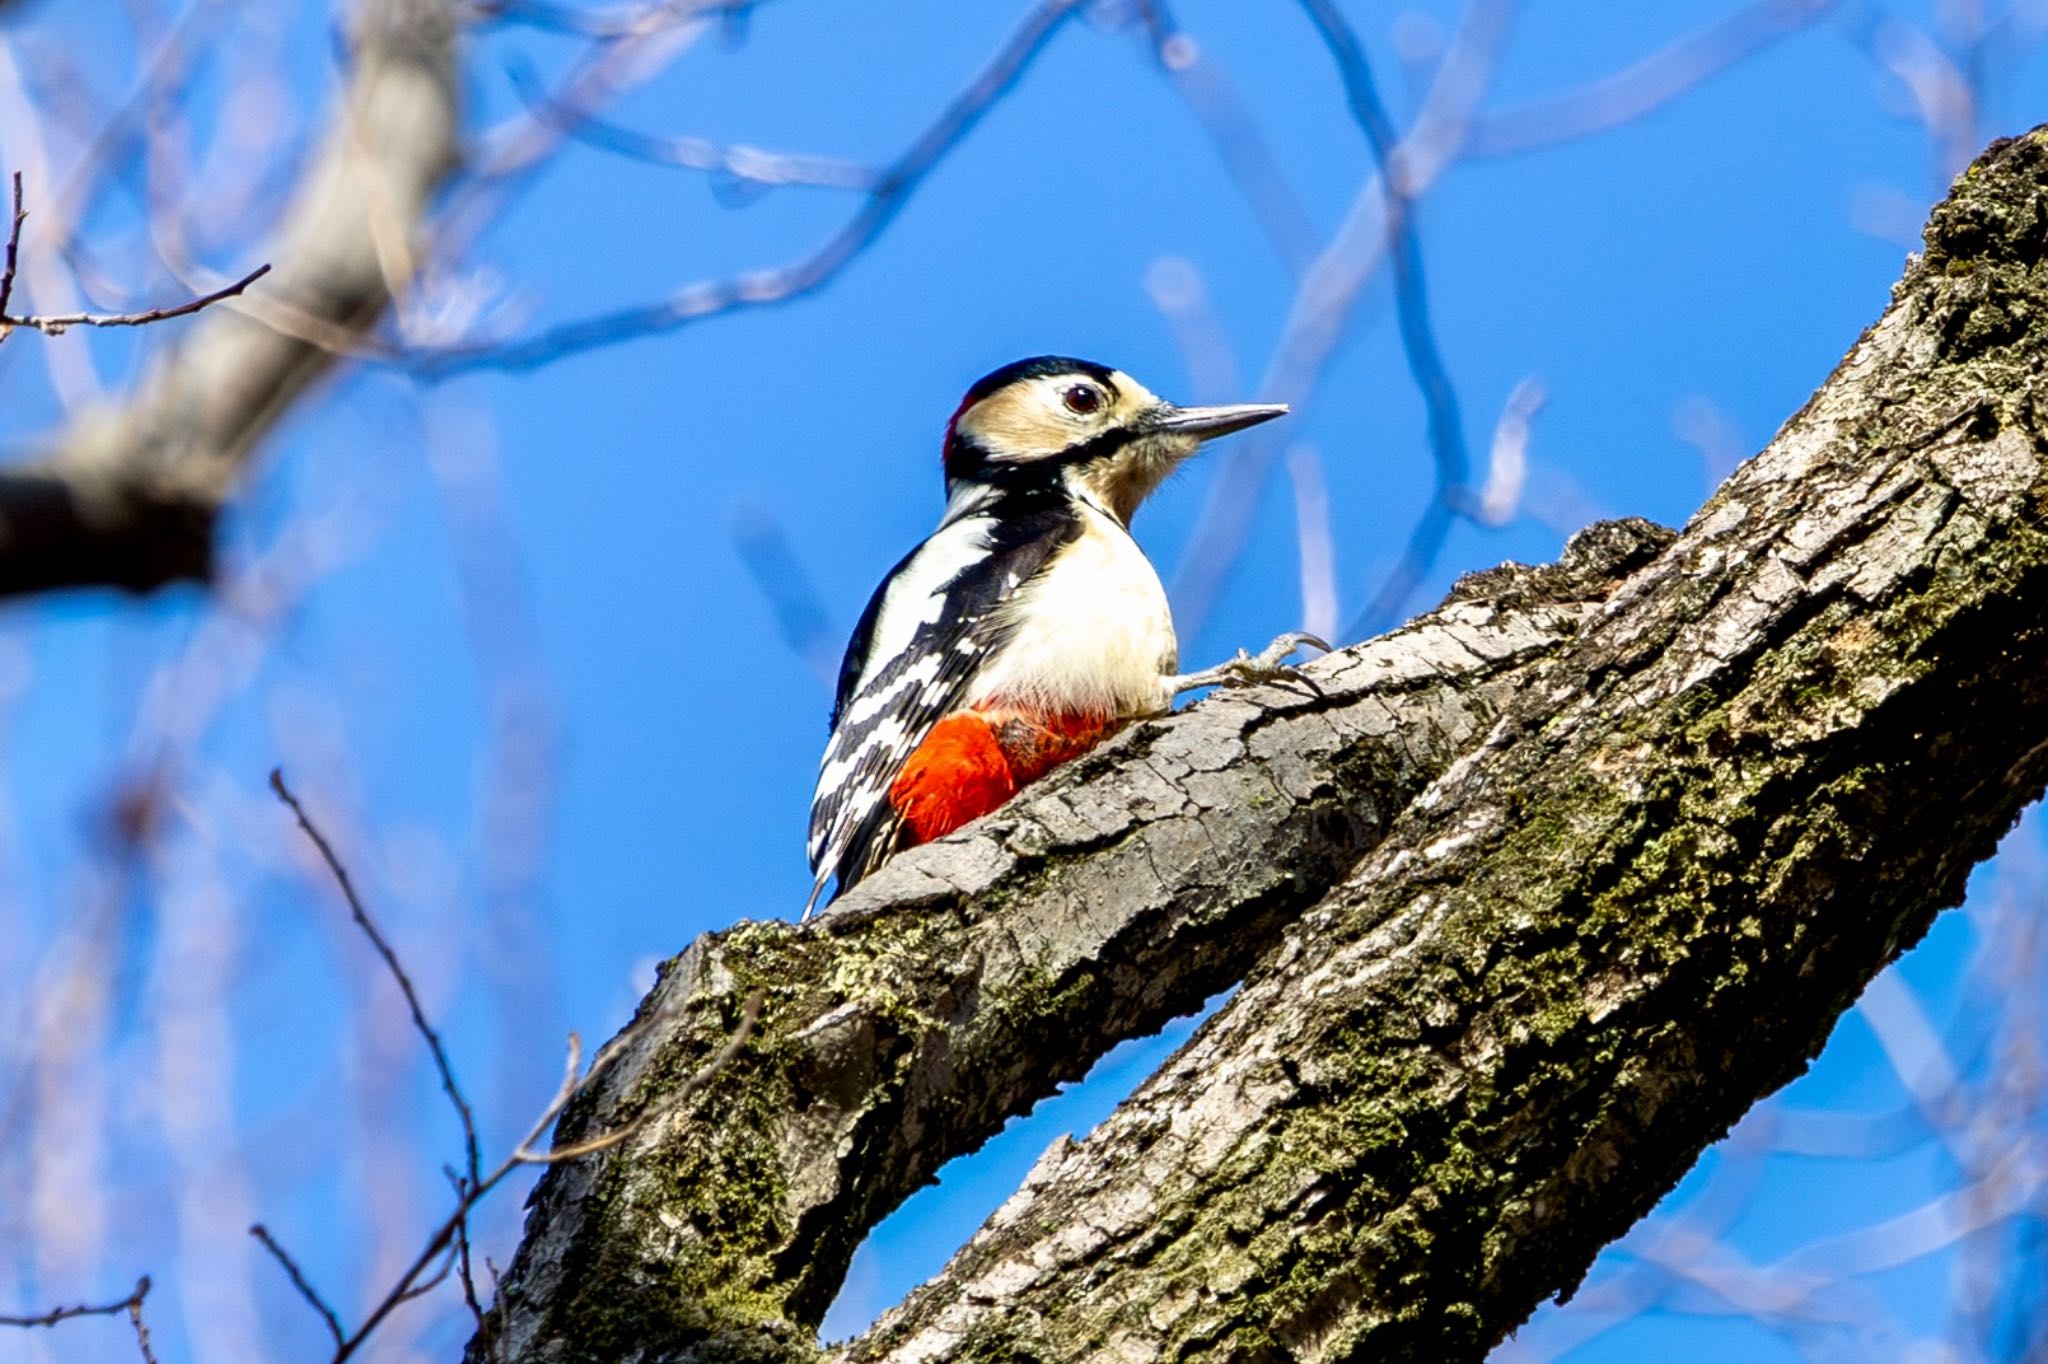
point(1205, 423)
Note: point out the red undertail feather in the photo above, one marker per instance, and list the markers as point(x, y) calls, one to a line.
point(972, 762)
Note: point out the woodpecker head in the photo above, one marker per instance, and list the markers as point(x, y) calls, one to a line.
point(1053, 419)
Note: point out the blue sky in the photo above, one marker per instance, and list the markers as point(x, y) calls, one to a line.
point(522, 666)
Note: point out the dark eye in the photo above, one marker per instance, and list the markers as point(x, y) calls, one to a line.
point(1082, 399)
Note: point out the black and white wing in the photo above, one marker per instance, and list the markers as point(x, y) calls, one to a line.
point(930, 628)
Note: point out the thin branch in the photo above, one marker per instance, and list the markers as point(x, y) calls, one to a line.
point(1649, 84)
point(370, 930)
point(441, 1242)
point(624, 21)
point(56, 324)
point(13, 246)
point(464, 1274)
point(800, 615)
point(134, 1306)
point(62, 1314)
point(1328, 294)
point(695, 302)
point(1418, 339)
point(736, 163)
point(130, 1307)
point(749, 1016)
point(449, 1243)
point(300, 1282)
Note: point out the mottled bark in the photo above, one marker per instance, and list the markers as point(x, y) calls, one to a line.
point(1639, 907)
point(128, 495)
point(968, 979)
point(1539, 896)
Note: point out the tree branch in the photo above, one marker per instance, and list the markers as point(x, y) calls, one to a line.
point(128, 495)
point(1636, 910)
point(129, 1307)
point(906, 1025)
point(880, 202)
point(1550, 886)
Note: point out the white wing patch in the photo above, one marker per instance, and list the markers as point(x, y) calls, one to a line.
point(918, 662)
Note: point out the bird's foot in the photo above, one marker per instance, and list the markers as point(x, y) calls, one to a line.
point(1251, 670)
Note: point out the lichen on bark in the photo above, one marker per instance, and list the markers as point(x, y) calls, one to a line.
point(1528, 906)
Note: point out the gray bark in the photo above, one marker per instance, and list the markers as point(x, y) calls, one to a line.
point(1540, 895)
point(967, 980)
point(127, 496)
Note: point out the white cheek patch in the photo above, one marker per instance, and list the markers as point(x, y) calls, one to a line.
point(1023, 423)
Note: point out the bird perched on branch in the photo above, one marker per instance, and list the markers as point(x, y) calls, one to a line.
point(1028, 627)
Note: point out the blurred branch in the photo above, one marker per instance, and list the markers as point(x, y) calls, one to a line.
point(1418, 340)
point(130, 1307)
point(128, 495)
point(1498, 500)
point(695, 302)
point(1649, 84)
point(738, 164)
point(1326, 297)
point(1246, 154)
point(620, 21)
point(1317, 546)
point(800, 616)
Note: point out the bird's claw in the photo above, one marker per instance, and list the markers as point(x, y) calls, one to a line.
point(1253, 670)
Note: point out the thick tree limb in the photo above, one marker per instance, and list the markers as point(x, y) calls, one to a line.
point(1476, 1051)
point(967, 980)
point(128, 495)
point(1637, 909)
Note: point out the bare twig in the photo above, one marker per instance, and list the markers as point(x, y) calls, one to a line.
point(300, 1282)
point(472, 1159)
point(1656, 80)
point(134, 1306)
point(695, 302)
point(130, 1307)
point(1418, 339)
point(735, 163)
point(749, 1016)
point(61, 1314)
point(13, 246)
point(56, 324)
point(447, 1248)
point(440, 1244)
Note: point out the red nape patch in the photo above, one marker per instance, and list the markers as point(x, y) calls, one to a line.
point(959, 773)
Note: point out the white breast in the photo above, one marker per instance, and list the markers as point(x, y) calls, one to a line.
point(1092, 632)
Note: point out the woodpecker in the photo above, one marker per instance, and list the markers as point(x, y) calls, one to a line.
point(1028, 627)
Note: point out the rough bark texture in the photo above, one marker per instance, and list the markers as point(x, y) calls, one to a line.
point(968, 979)
point(1535, 903)
point(128, 495)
